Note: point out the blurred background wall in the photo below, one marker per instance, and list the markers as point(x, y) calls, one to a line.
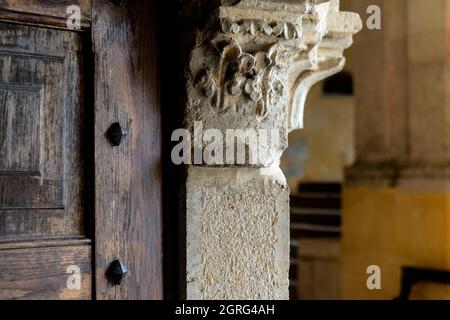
point(370, 172)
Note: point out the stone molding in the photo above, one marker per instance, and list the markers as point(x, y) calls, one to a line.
point(427, 177)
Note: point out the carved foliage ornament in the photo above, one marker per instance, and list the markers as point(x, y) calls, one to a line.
point(252, 66)
point(247, 67)
point(240, 81)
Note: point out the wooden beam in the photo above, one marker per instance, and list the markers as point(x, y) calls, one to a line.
point(128, 177)
point(44, 13)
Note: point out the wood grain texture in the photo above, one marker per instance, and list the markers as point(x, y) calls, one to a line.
point(128, 177)
point(42, 273)
point(42, 185)
point(48, 13)
point(41, 112)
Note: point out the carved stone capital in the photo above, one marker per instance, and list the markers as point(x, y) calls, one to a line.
point(255, 62)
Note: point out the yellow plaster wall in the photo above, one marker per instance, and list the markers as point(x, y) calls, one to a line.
point(392, 228)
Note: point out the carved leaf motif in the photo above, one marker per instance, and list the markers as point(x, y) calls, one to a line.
point(262, 61)
point(253, 89)
point(253, 28)
point(289, 31)
point(235, 28)
point(236, 84)
point(248, 75)
point(246, 63)
point(206, 84)
point(226, 25)
point(267, 28)
point(278, 28)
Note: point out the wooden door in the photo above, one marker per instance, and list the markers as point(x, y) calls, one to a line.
point(71, 203)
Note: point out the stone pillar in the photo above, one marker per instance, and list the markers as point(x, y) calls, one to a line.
point(397, 195)
point(251, 69)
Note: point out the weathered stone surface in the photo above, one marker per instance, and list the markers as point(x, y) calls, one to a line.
point(251, 69)
point(256, 70)
point(237, 234)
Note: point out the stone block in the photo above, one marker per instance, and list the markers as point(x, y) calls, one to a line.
point(237, 234)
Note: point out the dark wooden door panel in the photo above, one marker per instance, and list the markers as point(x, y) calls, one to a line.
point(41, 270)
point(42, 209)
point(40, 132)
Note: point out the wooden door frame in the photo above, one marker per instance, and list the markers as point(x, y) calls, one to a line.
point(128, 186)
